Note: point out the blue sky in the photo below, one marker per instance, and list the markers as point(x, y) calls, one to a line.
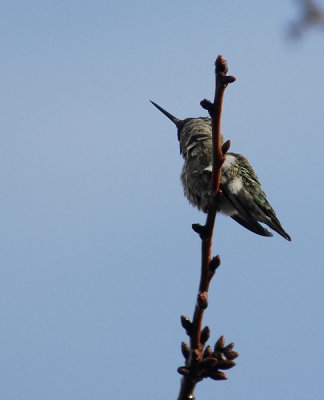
point(98, 259)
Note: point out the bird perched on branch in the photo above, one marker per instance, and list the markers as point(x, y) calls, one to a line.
point(243, 198)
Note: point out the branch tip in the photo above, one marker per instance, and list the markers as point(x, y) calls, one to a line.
point(229, 346)
point(215, 262)
point(226, 364)
point(184, 371)
point(186, 324)
point(220, 343)
point(185, 350)
point(205, 335)
point(200, 229)
point(206, 105)
point(217, 375)
point(221, 67)
point(228, 79)
point(226, 146)
point(231, 355)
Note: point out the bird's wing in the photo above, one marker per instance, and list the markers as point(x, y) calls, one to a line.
point(243, 215)
point(239, 201)
point(254, 200)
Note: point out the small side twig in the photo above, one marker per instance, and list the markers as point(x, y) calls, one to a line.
point(202, 362)
point(312, 16)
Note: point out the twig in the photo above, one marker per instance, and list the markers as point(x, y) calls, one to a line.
point(201, 361)
point(312, 15)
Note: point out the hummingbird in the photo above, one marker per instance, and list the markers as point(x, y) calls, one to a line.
point(243, 198)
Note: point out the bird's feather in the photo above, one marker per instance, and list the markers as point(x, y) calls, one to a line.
point(250, 201)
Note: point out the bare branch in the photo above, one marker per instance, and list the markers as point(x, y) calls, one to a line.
point(203, 362)
point(312, 15)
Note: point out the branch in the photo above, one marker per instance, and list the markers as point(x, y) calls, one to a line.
point(201, 361)
point(312, 15)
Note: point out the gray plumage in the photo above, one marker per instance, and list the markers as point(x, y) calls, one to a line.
point(243, 198)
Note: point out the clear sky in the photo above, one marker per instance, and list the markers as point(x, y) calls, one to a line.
point(98, 259)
